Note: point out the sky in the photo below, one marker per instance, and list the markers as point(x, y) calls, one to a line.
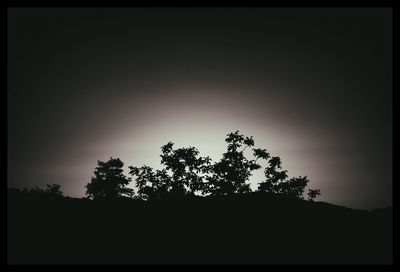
point(312, 86)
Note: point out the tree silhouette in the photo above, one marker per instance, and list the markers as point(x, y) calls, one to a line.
point(36, 191)
point(150, 184)
point(109, 181)
point(294, 187)
point(313, 193)
point(183, 175)
point(186, 167)
point(274, 177)
point(230, 174)
point(54, 189)
point(276, 181)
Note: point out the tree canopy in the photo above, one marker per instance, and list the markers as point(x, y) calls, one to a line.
point(109, 181)
point(183, 175)
point(231, 174)
point(313, 193)
point(186, 174)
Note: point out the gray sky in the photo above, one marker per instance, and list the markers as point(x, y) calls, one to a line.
point(313, 86)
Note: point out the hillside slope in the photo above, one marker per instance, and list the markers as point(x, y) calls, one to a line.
point(253, 228)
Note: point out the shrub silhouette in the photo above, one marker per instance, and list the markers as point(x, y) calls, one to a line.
point(36, 191)
point(294, 187)
point(276, 181)
point(312, 194)
point(54, 189)
point(109, 181)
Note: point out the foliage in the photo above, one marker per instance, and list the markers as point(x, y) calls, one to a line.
point(183, 174)
point(109, 181)
point(276, 181)
point(37, 191)
point(274, 178)
point(313, 193)
point(294, 187)
point(187, 169)
point(150, 184)
point(54, 189)
point(231, 173)
point(186, 174)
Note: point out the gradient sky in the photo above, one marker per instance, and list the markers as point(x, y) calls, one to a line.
point(313, 86)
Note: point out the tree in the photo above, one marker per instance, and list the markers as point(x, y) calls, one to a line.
point(36, 191)
point(186, 173)
point(313, 193)
point(150, 184)
point(274, 177)
point(54, 189)
point(276, 180)
point(294, 187)
point(187, 169)
point(230, 174)
point(182, 176)
point(109, 181)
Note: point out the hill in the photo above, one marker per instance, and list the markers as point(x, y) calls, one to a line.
point(255, 228)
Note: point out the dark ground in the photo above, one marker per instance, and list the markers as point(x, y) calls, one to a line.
point(248, 229)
